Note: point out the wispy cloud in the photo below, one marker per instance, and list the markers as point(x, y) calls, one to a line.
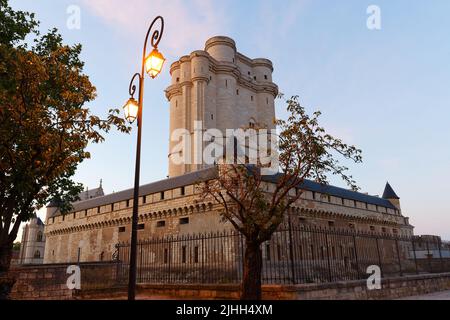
point(192, 22)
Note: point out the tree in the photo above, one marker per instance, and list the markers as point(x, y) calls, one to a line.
point(305, 151)
point(44, 125)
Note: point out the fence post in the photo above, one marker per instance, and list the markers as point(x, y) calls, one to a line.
point(356, 256)
point(203, 258)
point(429, 258)
point(398, 258)
point(415, 257)
point(291, 250)
point(169, 258)
point(328, 258)
point(440, 255)
point(379, 256)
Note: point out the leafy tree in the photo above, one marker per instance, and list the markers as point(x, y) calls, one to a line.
point(44, 124)
point(305, 151)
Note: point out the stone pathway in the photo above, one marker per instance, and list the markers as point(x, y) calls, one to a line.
point(441, 295)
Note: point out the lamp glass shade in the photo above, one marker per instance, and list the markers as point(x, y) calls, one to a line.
point(154, 63)
point(131, 109)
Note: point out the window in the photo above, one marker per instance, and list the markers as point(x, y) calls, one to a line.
point(128, 203)
point(351, 226)
point(195, 254)
point(144, 199)
point(162, 195)
point(251, 124)
point(102, 256)
point(98, 209)
point(178, 79)
point(39, 236)
point(212, 116)
point(166, 255)
point(85, 213)
point(141, 226)
point(183, 191)
point(354, 204)
point(237, 91)
point(372, 228)
point(37, 254)
point(226, 83)
point(251, 97)
point(74, 215)
point(161, 224)
point(267, 100)
point(301, 219)
point(331, 224)
point(53, 220)
point(265, 77)
point(184, 220)
point(248, 73)
point(254, 78)
point(112, 206)
point(395, 231)
point(122, 229)
point(53, 252)
point(183, 254)
point(268, 252)
point(383, 229)
point(63, 217)
point(329, 198)
point(313, 195)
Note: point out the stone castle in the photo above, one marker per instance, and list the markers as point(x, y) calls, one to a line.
point(220, 88)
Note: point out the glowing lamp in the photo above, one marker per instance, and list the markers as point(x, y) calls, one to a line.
point(154, 63)
point(131, 109)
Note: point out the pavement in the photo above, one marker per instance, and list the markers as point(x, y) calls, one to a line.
point(441, 295)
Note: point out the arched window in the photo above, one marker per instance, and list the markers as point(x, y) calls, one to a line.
point(37, 254)
point(39, 236)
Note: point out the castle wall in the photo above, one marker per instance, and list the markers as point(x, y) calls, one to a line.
point(91, 234)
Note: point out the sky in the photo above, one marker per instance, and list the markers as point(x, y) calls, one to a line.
point(386, 90)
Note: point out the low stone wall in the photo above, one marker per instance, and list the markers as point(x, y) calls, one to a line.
point(40, 283)
point(46, 282)
point(49, 281)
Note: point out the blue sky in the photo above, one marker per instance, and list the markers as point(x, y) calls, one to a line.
point(387, 91)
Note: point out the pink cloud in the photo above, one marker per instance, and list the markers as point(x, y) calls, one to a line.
point(188, 24)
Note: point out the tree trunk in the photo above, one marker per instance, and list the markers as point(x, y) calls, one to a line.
point(6, 282)
point(251, 282)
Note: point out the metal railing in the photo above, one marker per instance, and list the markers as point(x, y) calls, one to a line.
point(294, 255)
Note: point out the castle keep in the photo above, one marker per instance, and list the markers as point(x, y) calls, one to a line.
point(220, 88)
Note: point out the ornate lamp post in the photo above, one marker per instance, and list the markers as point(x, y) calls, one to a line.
point(152, 64)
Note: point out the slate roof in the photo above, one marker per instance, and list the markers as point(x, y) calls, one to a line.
point(389, 193)
point(210, 173)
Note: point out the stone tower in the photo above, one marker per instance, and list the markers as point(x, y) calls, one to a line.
point(33, 243)
point(220, 88)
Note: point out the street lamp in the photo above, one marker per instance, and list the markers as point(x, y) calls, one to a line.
point(152, 64)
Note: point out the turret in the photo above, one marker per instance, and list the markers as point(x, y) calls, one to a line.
point(389, 194)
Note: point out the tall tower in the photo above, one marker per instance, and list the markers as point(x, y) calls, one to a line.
point(221, 89)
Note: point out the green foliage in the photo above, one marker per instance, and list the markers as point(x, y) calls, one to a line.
point(44, 124)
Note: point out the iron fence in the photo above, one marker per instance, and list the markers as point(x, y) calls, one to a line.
point(294, 255)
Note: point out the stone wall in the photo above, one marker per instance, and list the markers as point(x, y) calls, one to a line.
point(350, 290)
point(49, 282)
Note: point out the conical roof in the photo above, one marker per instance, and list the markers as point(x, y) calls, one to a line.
point(389, 193)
